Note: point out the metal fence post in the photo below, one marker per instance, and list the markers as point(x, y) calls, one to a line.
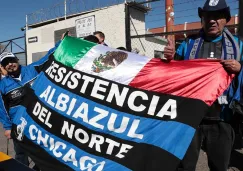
point(65, 8)
point(241, 18)
point(25, 42)
point(128, 27)
point(11, 46)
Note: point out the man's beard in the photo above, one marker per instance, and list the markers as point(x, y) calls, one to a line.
point(16, 73)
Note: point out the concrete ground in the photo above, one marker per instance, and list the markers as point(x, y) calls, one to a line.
point(236, 158)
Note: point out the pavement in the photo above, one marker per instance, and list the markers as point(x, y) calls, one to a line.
point(235, 165)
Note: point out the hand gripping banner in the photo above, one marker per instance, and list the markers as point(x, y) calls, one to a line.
point(96, 108)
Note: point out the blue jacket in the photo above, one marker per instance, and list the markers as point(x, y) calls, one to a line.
point(234, 96)
point(8, 84)
point(183, 48)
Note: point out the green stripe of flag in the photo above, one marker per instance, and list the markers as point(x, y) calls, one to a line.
point(71, 50)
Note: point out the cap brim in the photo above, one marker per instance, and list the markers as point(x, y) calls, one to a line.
point(200, 10)
point(6, 58)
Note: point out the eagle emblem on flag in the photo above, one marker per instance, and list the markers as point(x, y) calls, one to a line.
point(108, 61)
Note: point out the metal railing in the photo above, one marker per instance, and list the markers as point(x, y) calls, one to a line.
point(67, 8)
point(70, 7)
point(16, 46)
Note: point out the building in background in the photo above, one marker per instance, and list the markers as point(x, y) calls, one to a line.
point(42, 36)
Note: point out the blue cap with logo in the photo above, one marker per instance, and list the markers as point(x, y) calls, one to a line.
point(215, 6)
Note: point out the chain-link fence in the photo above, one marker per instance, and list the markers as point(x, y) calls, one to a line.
point(147, 31)
point(16, 46)
point(149, 39)
point(152, 44)
point(147, 45)
point(70, 7)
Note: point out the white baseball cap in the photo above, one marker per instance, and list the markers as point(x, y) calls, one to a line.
point(5, 55)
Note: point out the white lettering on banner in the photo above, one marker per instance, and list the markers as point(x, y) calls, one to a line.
point(114, 93)
point(70, 157)
point(57, 146)
point(65, 80)
point(132, 132)
point(68, 130)
point(54, 70)
point(98, 87)
point(124, 149)
point(75, 77)
point(95, 141)
point(82, 112)
point(123, 126)
point(59, 76)
point(31, 132)
point(101, 114)
point(102, 91)
point(87, 80)
point(46, 93)
point(153, 105)
point(111, 145)
point(98, 115)
point(132, 98)
point(164, 110)
point(90, 165)
point(49, 70)
point(41, 139)
point(71, 106)
point(62, 102)
point(48, 97)
point(52, 144)
point(43, 114)
point(64, 152)
point(85, 136)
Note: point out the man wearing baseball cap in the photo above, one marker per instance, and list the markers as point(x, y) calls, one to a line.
point(12, 88)
point(214, 41)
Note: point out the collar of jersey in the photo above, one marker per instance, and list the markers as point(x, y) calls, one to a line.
point(215, 39)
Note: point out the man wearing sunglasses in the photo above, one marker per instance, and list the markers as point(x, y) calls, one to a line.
point(12, 91)
point(214, 41)
point(10, 63)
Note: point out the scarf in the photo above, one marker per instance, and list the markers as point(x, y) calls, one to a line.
point(230, 48)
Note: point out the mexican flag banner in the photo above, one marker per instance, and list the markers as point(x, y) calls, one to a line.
point(96, 108)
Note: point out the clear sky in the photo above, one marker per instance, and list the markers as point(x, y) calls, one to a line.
point(13, 12)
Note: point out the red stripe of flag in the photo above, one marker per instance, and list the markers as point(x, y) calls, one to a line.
point(200, 79)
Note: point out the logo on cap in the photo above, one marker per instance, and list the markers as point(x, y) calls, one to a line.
point(213, 2)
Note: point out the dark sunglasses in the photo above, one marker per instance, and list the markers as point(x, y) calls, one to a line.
point(6, 61)
point(214, 15)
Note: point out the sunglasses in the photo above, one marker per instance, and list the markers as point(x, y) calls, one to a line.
point(214, 15)
point(6, 61)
